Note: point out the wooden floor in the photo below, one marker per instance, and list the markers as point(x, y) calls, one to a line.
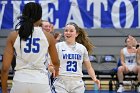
point(105, 87)
point(89, 84)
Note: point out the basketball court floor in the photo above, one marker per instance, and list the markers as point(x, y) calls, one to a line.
point(90, 87)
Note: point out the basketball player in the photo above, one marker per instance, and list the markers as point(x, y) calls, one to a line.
point(73, 52)
point(47, 26)
point(128, 62)
point(31, 45)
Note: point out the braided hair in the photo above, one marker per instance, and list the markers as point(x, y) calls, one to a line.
point(31, 13)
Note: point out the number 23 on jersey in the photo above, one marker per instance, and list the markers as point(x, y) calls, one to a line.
point(71, 66)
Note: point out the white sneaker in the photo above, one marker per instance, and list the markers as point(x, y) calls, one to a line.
point(138, 89)
point(120, 89)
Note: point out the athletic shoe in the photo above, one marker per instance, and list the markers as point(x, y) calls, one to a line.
point(120, 89)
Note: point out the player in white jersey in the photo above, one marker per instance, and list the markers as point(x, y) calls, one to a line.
point(128, 61)
point(31, 45)
point(48, 27)
point(72, 54)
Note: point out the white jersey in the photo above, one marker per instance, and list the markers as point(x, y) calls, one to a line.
point(30, 60)
point(71, 58)
point(130, 58)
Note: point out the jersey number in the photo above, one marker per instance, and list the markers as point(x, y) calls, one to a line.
point(71, 66)
point(35, 48)
point(130, 60)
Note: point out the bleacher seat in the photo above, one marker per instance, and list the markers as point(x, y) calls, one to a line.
point(93, 58)
point(107, 65)
point(1, 58)
point(94, 63)
point(106, 69)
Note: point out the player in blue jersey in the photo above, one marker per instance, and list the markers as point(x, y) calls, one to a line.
point(73, 52)
point(30, 45)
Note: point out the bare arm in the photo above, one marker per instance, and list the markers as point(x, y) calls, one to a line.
point(53, 53)
point(91, 72)
point(7, 59)
point(122, 58)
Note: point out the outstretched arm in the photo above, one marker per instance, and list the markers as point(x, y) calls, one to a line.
point(123, 60)
point(53, 52)
point(91, 72)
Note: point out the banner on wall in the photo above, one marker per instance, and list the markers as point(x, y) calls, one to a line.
point(86, 13)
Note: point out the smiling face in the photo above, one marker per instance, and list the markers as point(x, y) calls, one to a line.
point(129, 42)
point(70, 34)
point(46, 26)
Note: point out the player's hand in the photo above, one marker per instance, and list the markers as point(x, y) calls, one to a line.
point(51, 69)
point(98, 83)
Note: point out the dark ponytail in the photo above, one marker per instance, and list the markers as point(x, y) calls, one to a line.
point(26, 28)
point(32, 12)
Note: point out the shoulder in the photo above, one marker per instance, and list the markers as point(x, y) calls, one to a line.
point(123, 49)
point(12, 36)
point(49, 37)
point(80, 45)
point(60, 43)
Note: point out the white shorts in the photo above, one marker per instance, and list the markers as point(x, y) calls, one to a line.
point(22, 87)
point(131, 67)
point(65, 84)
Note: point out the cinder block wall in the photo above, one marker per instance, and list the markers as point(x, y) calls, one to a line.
point(106, 41)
